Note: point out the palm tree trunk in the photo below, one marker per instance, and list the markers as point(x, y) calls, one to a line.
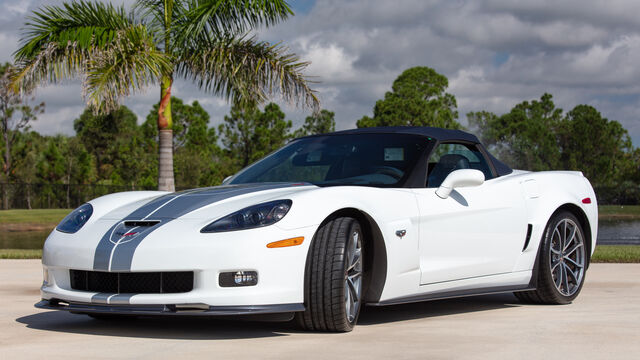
point(166, 180)
point(7, 163)
point(29, 196)
point(5, 196)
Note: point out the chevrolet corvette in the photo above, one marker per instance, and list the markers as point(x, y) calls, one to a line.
point(325, 225)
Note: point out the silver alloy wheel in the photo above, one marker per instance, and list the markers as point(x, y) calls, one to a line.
point(353, 276)
point(567, 257)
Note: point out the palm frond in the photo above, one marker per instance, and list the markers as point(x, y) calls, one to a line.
point(130, 64)
point(87, 24)
point(95, 42)
point(152, 11)
point(218, 18)
point(160, 16)
point(243, 69)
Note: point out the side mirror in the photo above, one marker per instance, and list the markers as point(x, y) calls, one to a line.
point(460, 178)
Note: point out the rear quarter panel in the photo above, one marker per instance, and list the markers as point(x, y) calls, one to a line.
point(544, 193)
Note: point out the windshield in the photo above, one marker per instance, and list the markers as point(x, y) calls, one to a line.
point(349, 159)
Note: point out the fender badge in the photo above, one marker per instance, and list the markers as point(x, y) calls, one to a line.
point(401, 233)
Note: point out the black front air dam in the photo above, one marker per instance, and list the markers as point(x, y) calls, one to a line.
point(152, 310)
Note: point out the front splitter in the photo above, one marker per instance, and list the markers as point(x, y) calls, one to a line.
point(172, 309)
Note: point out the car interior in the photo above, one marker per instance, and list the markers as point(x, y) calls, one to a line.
point(450, 157)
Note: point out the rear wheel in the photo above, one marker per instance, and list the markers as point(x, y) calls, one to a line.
point(333, 277)
point(562, 262)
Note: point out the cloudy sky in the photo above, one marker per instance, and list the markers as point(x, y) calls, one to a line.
point(496, 53)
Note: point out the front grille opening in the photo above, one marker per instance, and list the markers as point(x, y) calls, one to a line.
point(134, 283)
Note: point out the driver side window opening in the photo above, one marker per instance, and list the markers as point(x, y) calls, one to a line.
point(449, 157)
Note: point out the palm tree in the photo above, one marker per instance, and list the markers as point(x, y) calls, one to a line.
point(117, 52)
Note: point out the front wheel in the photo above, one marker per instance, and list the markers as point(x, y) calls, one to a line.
point(562, 262)
point(333, 277)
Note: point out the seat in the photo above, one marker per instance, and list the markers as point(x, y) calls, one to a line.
point(350, 166)
point(447, 164)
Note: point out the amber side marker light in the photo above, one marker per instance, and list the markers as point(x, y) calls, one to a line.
point(287, 242)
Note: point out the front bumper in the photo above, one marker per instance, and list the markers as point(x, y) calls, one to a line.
point(190, 309)
point(174, 249)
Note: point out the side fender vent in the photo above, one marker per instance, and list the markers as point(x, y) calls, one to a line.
point(528, 238)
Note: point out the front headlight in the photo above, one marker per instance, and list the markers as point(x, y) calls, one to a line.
point(74, 221)
point(252, 217)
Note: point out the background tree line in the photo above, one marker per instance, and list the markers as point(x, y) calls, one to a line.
point(534, 135)
point(113, 153)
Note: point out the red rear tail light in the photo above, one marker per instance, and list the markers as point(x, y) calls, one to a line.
point(586, 201)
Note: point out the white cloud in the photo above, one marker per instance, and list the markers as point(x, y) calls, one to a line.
point(7, 41)
point(332, 61)
point(496, 53)
point(57, 120)
point(13, 8)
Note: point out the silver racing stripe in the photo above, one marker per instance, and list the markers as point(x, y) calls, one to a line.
point(111, 299)
point(117, 246)
point(120, 299)
point(100, 298)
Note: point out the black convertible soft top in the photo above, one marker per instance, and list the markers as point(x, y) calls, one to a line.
point(438, 134)
point(432, 132)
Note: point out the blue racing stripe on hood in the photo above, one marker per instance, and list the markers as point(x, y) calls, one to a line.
point(116, 248)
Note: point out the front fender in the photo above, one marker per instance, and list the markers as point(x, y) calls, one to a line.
point(391, 209)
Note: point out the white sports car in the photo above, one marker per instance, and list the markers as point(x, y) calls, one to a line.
point(326, 224)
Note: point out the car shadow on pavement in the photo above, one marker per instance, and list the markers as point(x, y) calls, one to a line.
point(211, 328)
point(159, 327)
point(373, 315)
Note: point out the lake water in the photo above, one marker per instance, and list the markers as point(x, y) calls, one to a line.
point(22, 239)
point(609, 233)
point(619, 233)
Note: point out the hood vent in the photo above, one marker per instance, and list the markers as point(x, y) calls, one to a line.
point(141, 223)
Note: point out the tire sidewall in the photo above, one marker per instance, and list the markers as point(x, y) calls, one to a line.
point(325, 277)
point(545, 260)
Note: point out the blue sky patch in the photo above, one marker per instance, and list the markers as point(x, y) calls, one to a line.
point(301, 7)
point(500, 58)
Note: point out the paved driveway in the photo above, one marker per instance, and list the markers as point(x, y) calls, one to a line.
point(603, 323)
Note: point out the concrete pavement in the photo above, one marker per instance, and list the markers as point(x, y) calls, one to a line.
point(603, 323)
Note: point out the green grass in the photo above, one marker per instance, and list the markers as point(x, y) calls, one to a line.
point(53, 216)
point(20, 254)
point(35, 216)
point(619, 212)
point(603, 254)
point(616, 254)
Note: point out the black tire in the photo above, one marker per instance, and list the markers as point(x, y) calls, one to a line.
point(552, 252)
point(327, 275)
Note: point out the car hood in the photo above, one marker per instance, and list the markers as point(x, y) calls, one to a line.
point(191, 203)
point(132, 222)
